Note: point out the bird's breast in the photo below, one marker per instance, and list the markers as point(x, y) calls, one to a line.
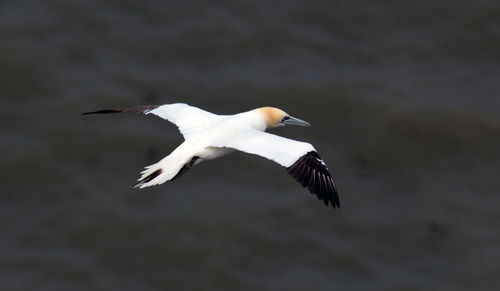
point(211, 153)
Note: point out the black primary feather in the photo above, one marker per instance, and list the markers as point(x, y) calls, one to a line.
point(311, 172)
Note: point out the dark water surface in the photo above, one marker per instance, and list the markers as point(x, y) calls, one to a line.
point(404, 102)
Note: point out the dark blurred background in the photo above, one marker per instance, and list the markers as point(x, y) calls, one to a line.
point(403, 98)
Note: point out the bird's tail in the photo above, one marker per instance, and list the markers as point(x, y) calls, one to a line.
point(167, 169)
point(152, 175)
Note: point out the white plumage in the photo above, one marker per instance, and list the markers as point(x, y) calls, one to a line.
point(209, 136)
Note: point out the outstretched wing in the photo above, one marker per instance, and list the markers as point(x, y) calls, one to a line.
point(299, 158)
point(310, 170)
point(189, 119)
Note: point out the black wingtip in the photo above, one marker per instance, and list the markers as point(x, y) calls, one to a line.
point(137, 109)
point(104, 111)
point(312, 173)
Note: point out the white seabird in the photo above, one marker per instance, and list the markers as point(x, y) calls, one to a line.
point(209, 136)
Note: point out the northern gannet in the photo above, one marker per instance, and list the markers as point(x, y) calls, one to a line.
point(208, 136)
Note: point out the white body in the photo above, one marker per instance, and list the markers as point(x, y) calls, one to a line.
point(209, 136)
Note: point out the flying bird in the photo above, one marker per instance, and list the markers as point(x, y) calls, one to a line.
point(208, 136)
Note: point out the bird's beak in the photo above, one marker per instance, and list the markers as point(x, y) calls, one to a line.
point(295, 121)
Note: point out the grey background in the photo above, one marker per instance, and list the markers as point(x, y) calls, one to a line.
point(403, 98)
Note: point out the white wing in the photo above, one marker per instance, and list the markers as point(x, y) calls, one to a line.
point(300, 159)
point(281, 150)
point(189, 119)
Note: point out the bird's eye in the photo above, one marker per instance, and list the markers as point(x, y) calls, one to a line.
point(285, 118)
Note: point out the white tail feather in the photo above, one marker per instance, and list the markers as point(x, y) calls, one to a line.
point(152, 175)
point(164, 170)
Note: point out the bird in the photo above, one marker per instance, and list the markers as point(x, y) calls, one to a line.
point(208, 136)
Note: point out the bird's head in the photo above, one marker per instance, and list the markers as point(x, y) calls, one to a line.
point(275, 117)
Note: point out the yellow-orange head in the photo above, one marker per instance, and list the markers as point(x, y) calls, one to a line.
point(276, 117)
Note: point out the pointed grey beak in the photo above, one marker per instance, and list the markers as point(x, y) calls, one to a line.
point(295, 121)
